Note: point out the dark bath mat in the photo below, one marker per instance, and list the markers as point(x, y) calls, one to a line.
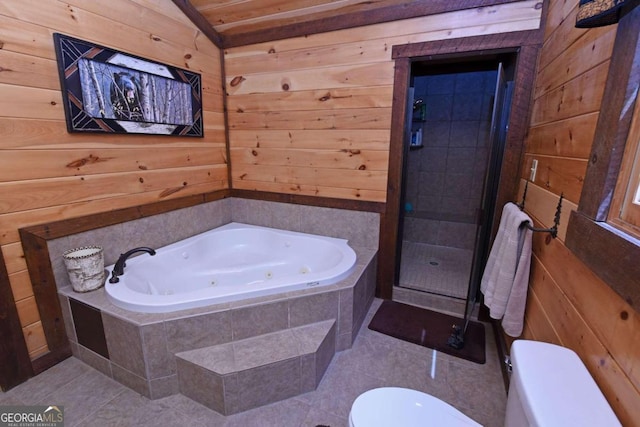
point(407, 322)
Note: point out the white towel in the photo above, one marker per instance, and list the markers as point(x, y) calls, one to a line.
point(506, 276)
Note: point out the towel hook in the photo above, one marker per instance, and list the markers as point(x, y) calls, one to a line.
point(556, 219)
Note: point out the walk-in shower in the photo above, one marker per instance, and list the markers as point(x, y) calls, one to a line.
point(454, 146)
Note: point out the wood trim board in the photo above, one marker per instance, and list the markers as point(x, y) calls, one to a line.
point(15, 365)
point(410, 9)
point(199, 21)
point(588, 235)
point(407, 10)
point(526, 45)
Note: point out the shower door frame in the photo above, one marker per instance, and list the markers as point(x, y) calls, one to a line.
point(524, 45)
point(496, 138)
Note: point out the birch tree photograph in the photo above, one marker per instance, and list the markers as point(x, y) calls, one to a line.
point(108, 91)
point(113, 92)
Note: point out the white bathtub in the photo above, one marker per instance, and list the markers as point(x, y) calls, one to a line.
point(229, 263)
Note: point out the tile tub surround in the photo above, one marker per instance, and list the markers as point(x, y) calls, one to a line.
point(234, 377)
point(153, 231)
point(142, 345)
point(360, 228)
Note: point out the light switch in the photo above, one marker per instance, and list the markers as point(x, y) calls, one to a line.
point(534, 169)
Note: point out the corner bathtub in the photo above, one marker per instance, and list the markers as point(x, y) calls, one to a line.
point(229, 263)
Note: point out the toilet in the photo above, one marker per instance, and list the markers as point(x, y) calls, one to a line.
point(394, 406)
point(550, 386)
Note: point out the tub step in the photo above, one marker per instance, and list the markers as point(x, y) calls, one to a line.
point(245, 374)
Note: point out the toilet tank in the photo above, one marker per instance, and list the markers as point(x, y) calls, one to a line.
point(550, 386)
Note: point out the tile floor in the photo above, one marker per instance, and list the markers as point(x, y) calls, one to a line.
point(438, 269)
point(376, 360)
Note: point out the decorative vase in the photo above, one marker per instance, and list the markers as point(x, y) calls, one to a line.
point(85, 267)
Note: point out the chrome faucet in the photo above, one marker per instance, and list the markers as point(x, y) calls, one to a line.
point(118, 269)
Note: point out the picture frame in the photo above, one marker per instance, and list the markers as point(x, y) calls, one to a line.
point(108, 91)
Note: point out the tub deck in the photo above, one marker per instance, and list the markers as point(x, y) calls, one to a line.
point(142, 347)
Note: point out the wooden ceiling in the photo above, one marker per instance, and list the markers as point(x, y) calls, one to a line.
point(230, 23)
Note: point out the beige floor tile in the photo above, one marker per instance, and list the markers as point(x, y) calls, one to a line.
point(83, 396)
point(375, 360)
point(49, 381)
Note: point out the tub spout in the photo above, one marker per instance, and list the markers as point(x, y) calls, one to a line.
point(118, 269)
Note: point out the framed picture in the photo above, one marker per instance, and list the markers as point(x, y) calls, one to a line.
point(107, 91)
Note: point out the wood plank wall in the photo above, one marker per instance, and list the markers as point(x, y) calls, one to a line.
point(47, 174)
point(312, 115)
point(307, 116)
point(568, 304)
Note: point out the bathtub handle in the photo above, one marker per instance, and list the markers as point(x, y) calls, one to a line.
point(118, 269)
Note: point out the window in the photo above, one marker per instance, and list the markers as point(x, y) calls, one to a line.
point(625, 206)
point(604, 232)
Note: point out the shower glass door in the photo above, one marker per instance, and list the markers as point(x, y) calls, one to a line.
point(447, 156)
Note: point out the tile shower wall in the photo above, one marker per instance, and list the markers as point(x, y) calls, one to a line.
point(445, 178)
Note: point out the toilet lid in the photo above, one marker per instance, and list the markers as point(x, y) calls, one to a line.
point(394, 406)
